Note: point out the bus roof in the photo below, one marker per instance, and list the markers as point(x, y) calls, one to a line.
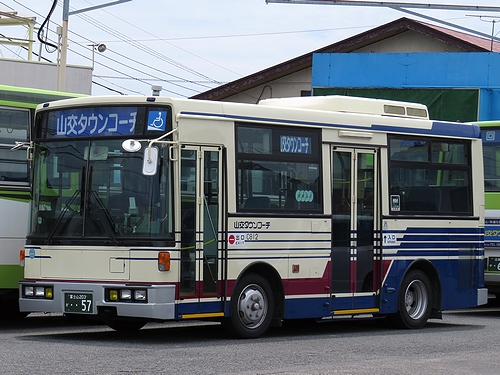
point(355, 114)
point(23, 97)
point(488, 124)
point(352, 104)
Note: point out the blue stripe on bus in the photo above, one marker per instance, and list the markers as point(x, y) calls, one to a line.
point(436, 230)
point(464, 130)
point(438, 128)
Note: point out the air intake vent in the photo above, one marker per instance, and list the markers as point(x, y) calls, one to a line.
point(417, 112)
point(349, 104)
point(394, 110)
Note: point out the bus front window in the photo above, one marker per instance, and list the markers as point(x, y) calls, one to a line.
point(96, 190)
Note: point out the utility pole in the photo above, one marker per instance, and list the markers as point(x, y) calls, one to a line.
point(63, 46)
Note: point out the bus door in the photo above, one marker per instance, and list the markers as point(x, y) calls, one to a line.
point(201, 212)
point(354, 259)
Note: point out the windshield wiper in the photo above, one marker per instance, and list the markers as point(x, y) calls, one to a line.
point(103, 213)
point(67, 208)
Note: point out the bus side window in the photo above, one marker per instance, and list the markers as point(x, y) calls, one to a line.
point(257, 202)
point(423, 199)
point(459, 200)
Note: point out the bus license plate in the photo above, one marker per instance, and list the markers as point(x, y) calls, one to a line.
point(494, 264)
point(79, 303)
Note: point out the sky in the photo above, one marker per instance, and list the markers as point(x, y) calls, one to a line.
point(191, 46)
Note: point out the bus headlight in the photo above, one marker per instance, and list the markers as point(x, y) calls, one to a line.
point(125, 294)
point(38, 291)
point(28, 291)
point(140, 295)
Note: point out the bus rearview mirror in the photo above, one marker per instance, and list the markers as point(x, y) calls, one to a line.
point(150, 161)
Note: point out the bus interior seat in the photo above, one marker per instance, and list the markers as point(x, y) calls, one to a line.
point(460, 200)
point(423, 198)
point(257, 202)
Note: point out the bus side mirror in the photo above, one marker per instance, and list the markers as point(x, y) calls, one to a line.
point(150, 161)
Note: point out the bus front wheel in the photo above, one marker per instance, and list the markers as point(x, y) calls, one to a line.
point(414, 302)
point(252, 307)
point(125, 325)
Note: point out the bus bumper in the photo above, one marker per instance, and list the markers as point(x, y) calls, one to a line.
point(141, 301)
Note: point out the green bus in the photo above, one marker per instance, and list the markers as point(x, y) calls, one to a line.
point(17, 108)
point(490, 134)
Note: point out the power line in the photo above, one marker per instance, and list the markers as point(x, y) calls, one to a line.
point(244, 35)
point(127, 39)
point(140, 46)
point(165, 40)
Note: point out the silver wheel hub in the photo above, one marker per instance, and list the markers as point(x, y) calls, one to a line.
point(416, 299)
point(252, 306)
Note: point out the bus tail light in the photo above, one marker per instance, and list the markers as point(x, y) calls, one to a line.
point(163, 261)
point(21, 257)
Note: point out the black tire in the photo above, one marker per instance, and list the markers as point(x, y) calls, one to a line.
point(10, 310)
point(252, 307)
point(125, 325)
point(414, 301)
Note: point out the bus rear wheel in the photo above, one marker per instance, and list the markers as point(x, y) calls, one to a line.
point(252, 307)
point(414, 301)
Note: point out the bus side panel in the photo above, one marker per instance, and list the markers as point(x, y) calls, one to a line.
point(450, 256)
point(492, 245)
point(12, 238)
point(298, 249)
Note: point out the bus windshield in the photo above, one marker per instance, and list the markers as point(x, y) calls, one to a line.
point(93, 189)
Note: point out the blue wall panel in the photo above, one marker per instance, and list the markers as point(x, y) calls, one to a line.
point(414, 70)
point(489, 104)
point(403, 70)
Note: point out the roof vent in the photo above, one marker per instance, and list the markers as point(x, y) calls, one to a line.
point(350, 104)
point(394, 110)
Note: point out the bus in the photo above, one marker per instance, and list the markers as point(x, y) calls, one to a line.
point(17, 109)
point(490, 134)
point(158, 209)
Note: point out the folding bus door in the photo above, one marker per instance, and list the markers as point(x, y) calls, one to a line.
point(201, 213)
point(354, 258)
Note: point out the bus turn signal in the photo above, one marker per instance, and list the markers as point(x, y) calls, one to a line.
point(163, 261)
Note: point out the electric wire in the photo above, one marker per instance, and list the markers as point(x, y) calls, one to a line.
point(123, 64)
point(142, 47)
point(45, 22)
point(151, 52)
point(165, 40)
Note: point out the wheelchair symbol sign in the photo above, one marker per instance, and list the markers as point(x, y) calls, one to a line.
point(157, 120)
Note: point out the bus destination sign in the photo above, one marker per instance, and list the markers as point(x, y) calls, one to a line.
point(295, 145)
point(93, 122)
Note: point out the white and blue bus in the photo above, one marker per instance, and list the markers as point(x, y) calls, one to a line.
point(155, 209)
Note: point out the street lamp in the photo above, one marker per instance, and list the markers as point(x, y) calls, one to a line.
point(100, 48)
